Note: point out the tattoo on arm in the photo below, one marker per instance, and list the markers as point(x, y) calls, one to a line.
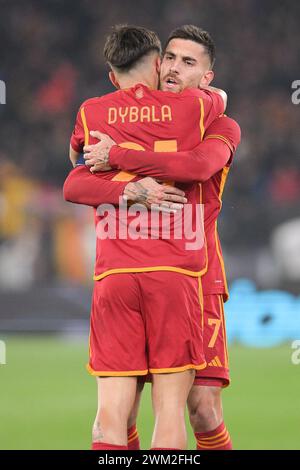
point(142, 193)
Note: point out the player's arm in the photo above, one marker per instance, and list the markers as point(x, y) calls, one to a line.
point(220, 142)
point(83, 187)
point(73, 155)
point(193, 165)
point(208, 103)
point(77, 138)
point(80, 186)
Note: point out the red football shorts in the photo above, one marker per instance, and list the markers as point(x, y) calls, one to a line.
point(216, 373)
point(146, 322)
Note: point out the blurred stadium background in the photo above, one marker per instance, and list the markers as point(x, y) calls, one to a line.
point(51, 60)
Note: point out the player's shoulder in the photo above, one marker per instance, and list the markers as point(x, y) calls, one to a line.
point(191, 97)
point(192, 92)
point(90, 102)
point(226, 126)
point(225, 122)
point(99, 100)
point(197, 93)
point(186, 94)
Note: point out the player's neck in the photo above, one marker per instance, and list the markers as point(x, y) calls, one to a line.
point(131, 81)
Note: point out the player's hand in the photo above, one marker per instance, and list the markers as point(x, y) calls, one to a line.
point(154, 195)
point(97, 155)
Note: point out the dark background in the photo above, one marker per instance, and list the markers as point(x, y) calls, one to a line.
point(51, 61)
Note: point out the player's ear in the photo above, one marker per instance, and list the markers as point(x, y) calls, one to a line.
point(207, 78)
point(158, 64)
point(113, 79)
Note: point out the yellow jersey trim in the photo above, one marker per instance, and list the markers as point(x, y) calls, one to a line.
point(201, 124)
point(222, 316)
point(202, 204)
point(85, 127)
point(178, 369)
point(223, 181)
point(219, 137)
point(222, 185)
point(200, 295)
point(122, 373)
point(187, 272)
point(221, 260)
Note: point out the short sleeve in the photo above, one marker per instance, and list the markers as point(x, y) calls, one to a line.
point(77, 137)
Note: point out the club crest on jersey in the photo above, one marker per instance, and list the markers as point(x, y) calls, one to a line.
point(139, 93)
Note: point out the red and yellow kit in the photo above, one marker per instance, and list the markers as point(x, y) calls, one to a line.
point(196, 164)
point(200, 164)
point(186, 166)
point(210, 191)
point(214, 282)
point(144, 119)
point(137, 325)
point(216, 372)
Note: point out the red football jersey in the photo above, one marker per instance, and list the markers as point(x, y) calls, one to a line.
point(214, 281)
point(141, 118)
point(199, 164)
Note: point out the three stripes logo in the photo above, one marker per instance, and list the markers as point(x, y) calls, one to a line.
point(215, 362)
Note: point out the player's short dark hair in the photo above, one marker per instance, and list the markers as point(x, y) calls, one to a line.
point(196, 34)
point(127, 44)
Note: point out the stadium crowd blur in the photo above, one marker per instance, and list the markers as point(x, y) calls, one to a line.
point(51, 60)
